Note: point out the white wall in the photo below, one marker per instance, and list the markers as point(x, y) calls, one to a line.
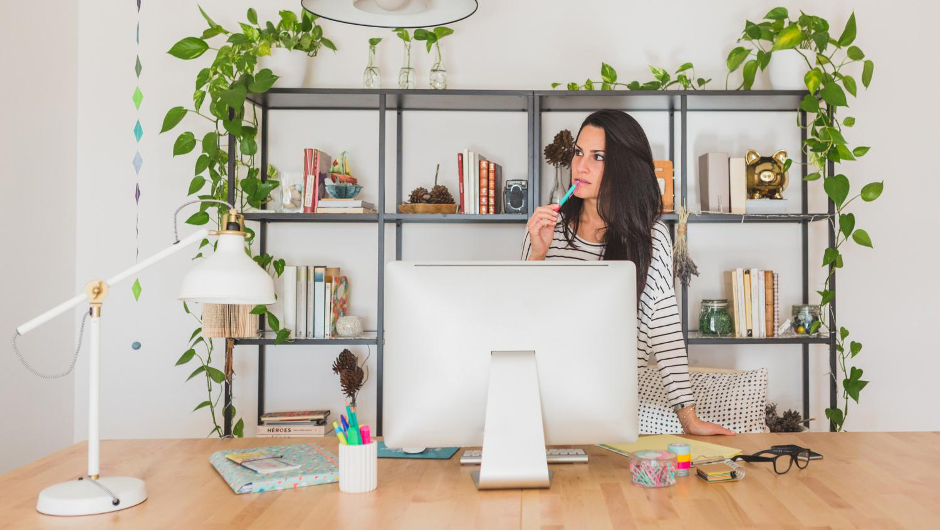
point(37, 146)
point(511, 45)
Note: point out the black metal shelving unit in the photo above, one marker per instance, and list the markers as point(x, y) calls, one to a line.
point(534, 104)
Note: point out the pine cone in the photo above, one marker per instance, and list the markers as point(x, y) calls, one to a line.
point(559, 152)
point(440, 195)
point(345, 361)
point(419, 195)
point(791, 421)
point(351, 381)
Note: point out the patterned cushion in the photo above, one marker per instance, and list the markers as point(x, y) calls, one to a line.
point(734, 400)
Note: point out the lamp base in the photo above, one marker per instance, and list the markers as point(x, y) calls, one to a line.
point(84, 497)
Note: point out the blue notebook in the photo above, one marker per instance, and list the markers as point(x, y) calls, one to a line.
point(432, 453)
point(318, 466)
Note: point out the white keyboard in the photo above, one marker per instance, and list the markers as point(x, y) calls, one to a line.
point(553, 456)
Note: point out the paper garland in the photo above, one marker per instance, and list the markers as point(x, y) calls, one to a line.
point(137, 161)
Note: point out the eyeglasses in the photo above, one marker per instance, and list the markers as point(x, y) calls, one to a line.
point(781, 461)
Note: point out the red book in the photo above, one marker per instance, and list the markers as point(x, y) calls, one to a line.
point(316, 171)
point(493, 188)
point(460, 178)
point(484, 186)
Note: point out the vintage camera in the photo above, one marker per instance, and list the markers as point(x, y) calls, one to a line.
point(514, 196)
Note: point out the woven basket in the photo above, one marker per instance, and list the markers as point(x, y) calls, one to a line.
point(427, 208)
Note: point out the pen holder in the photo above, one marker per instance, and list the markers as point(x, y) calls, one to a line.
point(358, 467)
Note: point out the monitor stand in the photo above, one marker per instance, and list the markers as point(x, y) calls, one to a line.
point(514, 447)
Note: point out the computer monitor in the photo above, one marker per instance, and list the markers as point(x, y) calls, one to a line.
point(510, 356)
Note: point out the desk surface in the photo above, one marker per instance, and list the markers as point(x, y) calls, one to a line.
point(866, 480)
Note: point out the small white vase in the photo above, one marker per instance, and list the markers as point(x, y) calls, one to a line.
point(290, 67)
point(787, 69)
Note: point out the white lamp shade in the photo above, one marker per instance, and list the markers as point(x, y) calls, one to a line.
point(392, 13)
point(228, 276)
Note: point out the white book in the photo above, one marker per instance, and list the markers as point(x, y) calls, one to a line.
point(345, 203)
point(319, 301)
point(738, 191)
point(294, 430)
point(474, 183)
point(714, 182)
point(755, 318)
point(301, 301)
point(464, 166)
point(762, 332)
point(328, 308)
point(310, 302)
point(740, 285)
point(289, 297)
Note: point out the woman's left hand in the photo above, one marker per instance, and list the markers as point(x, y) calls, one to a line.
point(699, 427)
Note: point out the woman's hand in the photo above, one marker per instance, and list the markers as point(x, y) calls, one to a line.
point(693, 425)
point(541, 226)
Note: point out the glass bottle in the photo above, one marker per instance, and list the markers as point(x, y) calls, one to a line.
point(714, 318)
point(558, 187)
point(439, 75)
point(407, 73)
point(371, 74)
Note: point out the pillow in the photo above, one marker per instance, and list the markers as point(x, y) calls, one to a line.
point(734, 400)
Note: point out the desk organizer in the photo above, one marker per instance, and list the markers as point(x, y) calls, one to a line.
point(650, 469)
point(359, 467)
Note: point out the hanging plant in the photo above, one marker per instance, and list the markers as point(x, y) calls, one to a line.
point(219, 98)
point(685, 78)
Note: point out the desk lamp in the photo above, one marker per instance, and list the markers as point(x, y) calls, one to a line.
point(228, 276)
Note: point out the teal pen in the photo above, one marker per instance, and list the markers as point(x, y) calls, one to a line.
point(354, 427)
point(569, 193)
point(352, 434)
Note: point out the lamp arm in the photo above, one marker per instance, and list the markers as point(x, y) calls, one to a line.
point(199, 235)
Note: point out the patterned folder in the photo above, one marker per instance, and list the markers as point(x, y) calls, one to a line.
point(318, 466)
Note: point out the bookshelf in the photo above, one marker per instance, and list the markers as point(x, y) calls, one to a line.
point(673, 104)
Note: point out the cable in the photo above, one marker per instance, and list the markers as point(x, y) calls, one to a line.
point(114, 499)
point(81, 333)
point(176, 236)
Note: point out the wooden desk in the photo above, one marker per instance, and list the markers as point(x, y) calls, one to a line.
point(866, 480)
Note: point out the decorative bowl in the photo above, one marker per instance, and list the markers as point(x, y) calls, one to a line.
point(427, 208)
point(343, 190)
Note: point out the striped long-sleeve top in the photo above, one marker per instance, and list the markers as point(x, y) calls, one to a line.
point(659, 332)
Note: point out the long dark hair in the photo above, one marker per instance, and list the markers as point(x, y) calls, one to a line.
point(629, 200)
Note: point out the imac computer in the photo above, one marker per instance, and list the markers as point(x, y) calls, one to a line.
point(510, 356)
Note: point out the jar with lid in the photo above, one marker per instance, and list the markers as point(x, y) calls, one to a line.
point(803, 317)
point(714, 318)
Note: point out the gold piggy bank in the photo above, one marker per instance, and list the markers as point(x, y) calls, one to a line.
point(764, 175)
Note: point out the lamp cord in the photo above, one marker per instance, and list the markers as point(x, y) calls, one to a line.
point(176, 236)
point(81, 333)
point(114, 499)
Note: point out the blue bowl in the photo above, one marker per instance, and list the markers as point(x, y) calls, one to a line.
point(343, 190)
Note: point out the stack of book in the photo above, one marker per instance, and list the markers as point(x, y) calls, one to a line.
point(330, 205)
point(479, 184)
point(296, 423)
point(315, 297)
point(753, 302)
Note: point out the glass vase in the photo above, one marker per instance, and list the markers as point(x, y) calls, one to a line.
point(438, 79)
point(407, 73)
point(371, 74)
point(558, 186)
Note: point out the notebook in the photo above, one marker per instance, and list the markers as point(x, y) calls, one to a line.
point(431, 453)
point(699, 452)
point(317, 466)
point(720, 472)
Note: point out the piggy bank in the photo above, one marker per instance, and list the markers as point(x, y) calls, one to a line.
point(764, 175)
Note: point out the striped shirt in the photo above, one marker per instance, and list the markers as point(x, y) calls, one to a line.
point(659, 332)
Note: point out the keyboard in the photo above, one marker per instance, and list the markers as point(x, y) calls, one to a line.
point(553, 456)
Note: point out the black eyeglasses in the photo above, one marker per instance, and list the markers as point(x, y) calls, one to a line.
point(781, 461)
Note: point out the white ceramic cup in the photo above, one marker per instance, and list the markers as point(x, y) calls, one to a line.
point(359, 467)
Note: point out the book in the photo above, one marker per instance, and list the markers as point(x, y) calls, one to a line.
point(310, 301)
point(468, 197)
point(738, 190)
point(777, 322)
point(766, 206)
point(333, 274)
point(460, 181)
point(262, 462)
point(345, 203)
point(769, 304)
point(296, 415)
point(301, 297)
point(720, 471)
point(740, 292)
point(294, 430)
point(484, 172)
point(316, 168)
point(748, 309)
point(714, 182)
point(319, 301)
point(473, 184)
point(699, 452)
point(493, 187)
point(289, 297)
point(761, 305)
point(732, 294)
point(755, 304)
point(663, 169)
point(345, 210)
point(317, 466)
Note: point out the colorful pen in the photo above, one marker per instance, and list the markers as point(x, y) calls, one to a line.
point(354, 425)
point(568, 193)
point(346, 425)
point(352, 431)
point(342, 438)
point(364, 433)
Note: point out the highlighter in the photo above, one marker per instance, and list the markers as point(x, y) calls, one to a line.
point(568, 194)
point(336, 429)
point(354, 427)
point(364, 434)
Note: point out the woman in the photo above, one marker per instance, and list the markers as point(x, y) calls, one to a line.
point(614, 214)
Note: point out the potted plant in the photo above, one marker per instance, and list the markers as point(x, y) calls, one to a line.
point(438, 79)
point(289, 35)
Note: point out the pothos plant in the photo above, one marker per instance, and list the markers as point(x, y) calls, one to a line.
point(829, 61)
point(685, 78)
point(433, 38)
point(221, 90)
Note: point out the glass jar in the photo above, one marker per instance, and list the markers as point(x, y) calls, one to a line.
point(803, 318)
point(291, 185)
point(439, 74)
point(407, 73)
point(714, 318)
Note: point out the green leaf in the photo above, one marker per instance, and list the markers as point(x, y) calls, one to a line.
point(843, 333)
point(861, 150)
point(684, 67)
point(374, 41)
point(812, 176)
point(210, 21)
point(234, 97)
point(826, 297)
point(215, 374)
point(867, 72)
point(748, 73)
point(608, 74)
point(189, 48)
point(835, 135)
point(850, 84)
point(871, 191)
point(196, 333)
point(442, 32)
point(239, 430)
point(184, 143)
point(763, 59)
point(264, 80)
point(810, 104)
point(173, 117)
point(198, 218)
point(589, 85)
point(833, 94)
point(279, 266)
point(328, 43)
point(855, 53)
point(273, 322)
point(662, 75)
point(210, 143)
point(202, 164)
point(196, 184)
point(844, 152)
point(837, 188)
point(248, 146)
point(813, 328)
point(849, 32)
point(136, 289)
point(201, 405)
point(423, 34)
point(252, 16)
point(830, 255)
point(736, 57)
point(789, 37)
point(283, 336)
point(835, 416)
point(259, 309)
point(855, 348)
point(847, 223)
point(787, 164)
point(201, 369)
point(555, 85)
point(813, 79)
point(854, 387)
point(778, 13)
point(861, 237)
point(186, 308)
point(849, 121)
point(573, 86)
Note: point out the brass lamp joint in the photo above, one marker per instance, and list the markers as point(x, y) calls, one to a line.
point(233, 223)
point(96, 291)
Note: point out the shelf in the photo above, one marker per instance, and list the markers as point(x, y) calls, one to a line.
point(749, 218)
point(697, 338)
point(396, 99)
point(280, 217)
point(368, 337)
point(457, 218)
point(665, 100)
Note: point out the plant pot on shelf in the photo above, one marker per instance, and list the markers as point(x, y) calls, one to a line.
point(427, 208)
point(290, 66)
point(787, 69)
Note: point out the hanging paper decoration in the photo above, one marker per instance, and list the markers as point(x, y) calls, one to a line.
point(137, 161)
